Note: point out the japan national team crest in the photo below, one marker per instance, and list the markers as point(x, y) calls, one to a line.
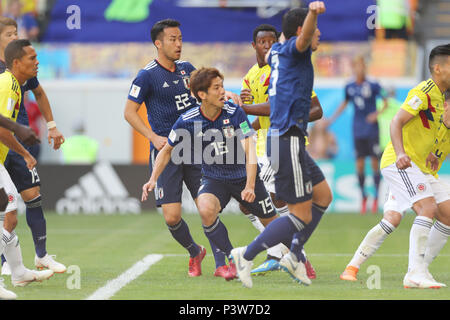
point(228, 131)
point(186, 82)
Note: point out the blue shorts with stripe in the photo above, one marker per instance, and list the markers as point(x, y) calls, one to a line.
point(22, 177)
point(262, 207)
point(295, 171)
point(169, 186)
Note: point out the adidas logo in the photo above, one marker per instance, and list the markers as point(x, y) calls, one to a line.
point(176, 81)
point(165, 85)
point(98, 191)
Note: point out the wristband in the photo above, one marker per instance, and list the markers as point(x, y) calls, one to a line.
point(51, 125)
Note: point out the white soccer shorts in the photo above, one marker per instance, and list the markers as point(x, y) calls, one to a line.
point(10, 189)
point(267, 174)
point(411, 185)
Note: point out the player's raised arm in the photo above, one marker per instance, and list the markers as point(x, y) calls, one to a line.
point(162, 159)
point(309, 26)
point(397, 124)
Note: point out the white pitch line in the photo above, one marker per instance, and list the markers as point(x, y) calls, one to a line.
point(113, 286)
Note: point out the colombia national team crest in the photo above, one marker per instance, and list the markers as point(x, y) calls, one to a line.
point(228, 132)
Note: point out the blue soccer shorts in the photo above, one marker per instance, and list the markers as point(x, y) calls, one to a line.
point(22, 177)
point(169, 186)
point(261, 207)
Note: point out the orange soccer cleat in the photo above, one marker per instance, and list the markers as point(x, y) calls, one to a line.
point(349, 274)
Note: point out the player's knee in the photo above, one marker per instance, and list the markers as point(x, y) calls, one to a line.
point(278, 203)
point(30, 194)
point(393, 217)
point(207, 210)
point(10, 222)
point(322, 195)
point(426, 208)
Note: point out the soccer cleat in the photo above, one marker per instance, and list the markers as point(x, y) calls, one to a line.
point(310, 272)
point(349, 273)
point(375, 206)
point(6, 270)
point(221, 271)
point(296, 270)
point(195, 263)
point(243, 267)
point(266, 266)
point(364, 205)
point(31, 276)
point(6, 294)
point(48, 262)
point(421, 280)
point(232, 272)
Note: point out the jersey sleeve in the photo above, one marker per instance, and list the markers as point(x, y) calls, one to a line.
point(174, 136)
point(31, 84)
point(139, 88)
point(243, 125)
point(415, 102)
point(348, 97)
point(7, 102)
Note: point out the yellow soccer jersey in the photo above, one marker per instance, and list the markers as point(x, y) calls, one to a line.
point(441, 147)
point(257, 80)
point(10, 96)
point(426, 103)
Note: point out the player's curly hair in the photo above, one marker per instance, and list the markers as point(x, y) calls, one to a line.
point(201, 80)
point(264, 27)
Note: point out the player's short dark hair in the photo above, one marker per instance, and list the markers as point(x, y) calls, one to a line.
point(264, 27)
point(14, 50)
point(159, 27)
point(293, 19)
point(5, 21)
point(201, 80)
point(437, 53)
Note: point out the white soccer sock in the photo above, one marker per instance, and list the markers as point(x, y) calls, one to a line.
point(372, 241)
point(13, 254)
point(436, 241)
point(418, 238)
point(283, 211)
point(256, 223)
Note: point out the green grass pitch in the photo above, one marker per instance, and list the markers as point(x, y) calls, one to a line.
point(102, 247)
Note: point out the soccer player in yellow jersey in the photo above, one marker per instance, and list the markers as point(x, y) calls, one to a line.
point(393, 212)
point(414, 130)
point(254, 91)
point(22, 64)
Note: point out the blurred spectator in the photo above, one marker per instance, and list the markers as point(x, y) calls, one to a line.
point(79, 148)
point(322, 143)
point(36, 121)
point(394, 18)
point(384, 118)
point(27, 26)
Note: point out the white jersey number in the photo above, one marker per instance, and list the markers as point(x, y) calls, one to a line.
point(182, 101)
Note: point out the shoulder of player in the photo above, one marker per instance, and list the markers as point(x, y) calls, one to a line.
point(190, 114)
point(425, 86)
point(184, 64)
point(233, 109)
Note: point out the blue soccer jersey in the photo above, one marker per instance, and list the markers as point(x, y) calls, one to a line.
point(291, 84)
point(221, 154)
point(166, 94)
point(363, 96)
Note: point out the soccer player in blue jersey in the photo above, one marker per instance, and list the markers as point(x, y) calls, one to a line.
point(363, 93)
point(227, 153)
point(27, 181)
point(291, 84)
point(163, 85)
